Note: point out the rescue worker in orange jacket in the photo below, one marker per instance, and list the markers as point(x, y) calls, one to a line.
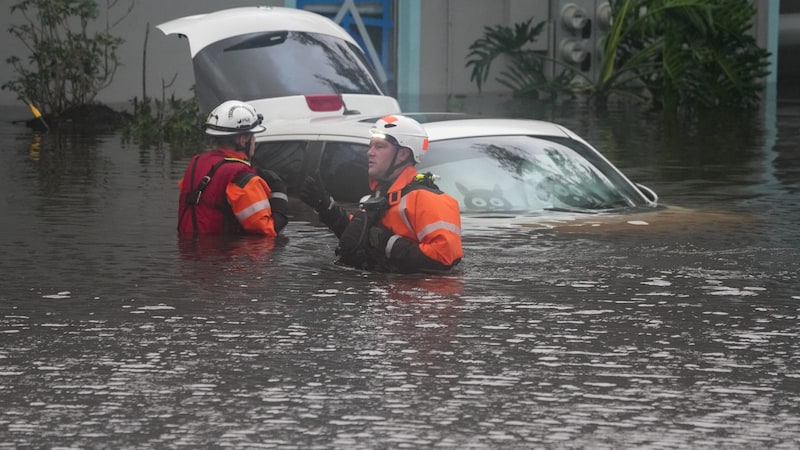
point(407, 224)
point(220, 191)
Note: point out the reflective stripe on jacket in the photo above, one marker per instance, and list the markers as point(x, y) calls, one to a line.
point(427, 217)
point(235, 200)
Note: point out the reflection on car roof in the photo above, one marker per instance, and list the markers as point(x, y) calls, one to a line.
point(439, 126)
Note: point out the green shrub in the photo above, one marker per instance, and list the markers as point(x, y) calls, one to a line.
point(68, 65)
point(172, 121)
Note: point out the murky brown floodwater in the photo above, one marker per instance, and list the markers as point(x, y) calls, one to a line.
point(670, 330)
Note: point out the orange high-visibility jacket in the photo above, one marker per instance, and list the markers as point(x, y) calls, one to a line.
point(429, 218)
point(234, 200)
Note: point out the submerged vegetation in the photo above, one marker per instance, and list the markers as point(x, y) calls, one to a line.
point(670, 54)
point(168, 120)
point(172, 121)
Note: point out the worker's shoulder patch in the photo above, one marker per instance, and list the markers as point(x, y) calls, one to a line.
point(243, 179)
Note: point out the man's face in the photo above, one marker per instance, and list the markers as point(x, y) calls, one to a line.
point(379, 157)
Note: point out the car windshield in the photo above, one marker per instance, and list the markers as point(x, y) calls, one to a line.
point(269, 65)
point(527, 173)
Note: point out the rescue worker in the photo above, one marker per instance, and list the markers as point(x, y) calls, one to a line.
point(221, 192)
point(407, 224)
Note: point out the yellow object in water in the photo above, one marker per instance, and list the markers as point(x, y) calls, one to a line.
point(36, 113)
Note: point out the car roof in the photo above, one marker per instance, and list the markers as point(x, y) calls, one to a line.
point(205, 29)
point(440, 126)
point(475, 127)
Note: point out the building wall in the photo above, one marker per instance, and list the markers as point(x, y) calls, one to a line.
point(448, 28)
point(789, 45)
point(166, 55)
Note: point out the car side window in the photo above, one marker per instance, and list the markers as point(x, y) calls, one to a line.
point(286, 158)
point(343, 169)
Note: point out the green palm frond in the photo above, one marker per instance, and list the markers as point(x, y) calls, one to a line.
point(499, 40)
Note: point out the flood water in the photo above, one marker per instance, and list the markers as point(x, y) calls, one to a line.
point(671, 330)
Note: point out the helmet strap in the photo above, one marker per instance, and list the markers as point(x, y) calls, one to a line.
point(395, 165)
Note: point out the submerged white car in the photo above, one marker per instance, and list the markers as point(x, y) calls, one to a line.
point(494, 166)
point(319, 98)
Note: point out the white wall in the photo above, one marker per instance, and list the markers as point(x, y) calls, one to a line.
point(449, 27)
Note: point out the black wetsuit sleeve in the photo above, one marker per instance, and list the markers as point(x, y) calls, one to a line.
point(335, 218)
point(407, 256)
point(279, 221)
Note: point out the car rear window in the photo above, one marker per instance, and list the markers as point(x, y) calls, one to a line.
point(278, 64)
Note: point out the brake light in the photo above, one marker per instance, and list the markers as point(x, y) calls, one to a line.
point(324, 102)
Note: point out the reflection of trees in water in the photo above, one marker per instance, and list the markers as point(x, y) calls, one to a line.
point(65, 159)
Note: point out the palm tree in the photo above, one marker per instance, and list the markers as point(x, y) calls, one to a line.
point(526, 70)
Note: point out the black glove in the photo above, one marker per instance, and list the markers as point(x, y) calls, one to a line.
point(276, 184)
point(313, 194)
point(379, 237)
point(352, 243)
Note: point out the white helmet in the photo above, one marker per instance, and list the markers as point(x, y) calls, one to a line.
point(404, 132)
point(233, 117)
